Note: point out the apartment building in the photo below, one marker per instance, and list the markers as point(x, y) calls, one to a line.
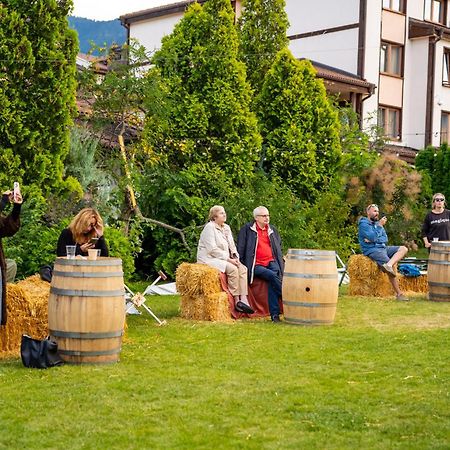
point(390, 59)
point(402, 46)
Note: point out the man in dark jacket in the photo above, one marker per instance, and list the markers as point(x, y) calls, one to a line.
point(259, 248)
point(8, 226)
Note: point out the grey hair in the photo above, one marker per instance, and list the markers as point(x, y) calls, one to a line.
point(257, 210)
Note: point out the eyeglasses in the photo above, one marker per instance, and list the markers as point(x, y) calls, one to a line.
point(263, 215)
point(439, 199)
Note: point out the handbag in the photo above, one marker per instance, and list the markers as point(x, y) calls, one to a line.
point(46, 273)
point(39, 354)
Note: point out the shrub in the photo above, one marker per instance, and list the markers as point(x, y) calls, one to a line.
point(122, 247)
point(34, 245)
point(435, 163)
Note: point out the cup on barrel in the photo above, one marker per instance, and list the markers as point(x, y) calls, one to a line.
point(70, 251)
point(92, 254)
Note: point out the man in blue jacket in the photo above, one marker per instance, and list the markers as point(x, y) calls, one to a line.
point(373, 239)
point(259, 248)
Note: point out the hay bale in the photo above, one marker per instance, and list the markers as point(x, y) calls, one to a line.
point(366, 279)
point(202, 296)
point(413, 284)
point(197, 279)
point(213, 307)
point(192, 307)
point(27, 309)
point(217, 308)
point(37, 293)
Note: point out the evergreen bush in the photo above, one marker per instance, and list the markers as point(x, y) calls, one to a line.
point(37, 92)
point(262, 34)
point(435, 164)
point(300, 127)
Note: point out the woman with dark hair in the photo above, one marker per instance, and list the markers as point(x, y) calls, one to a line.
point(436, 226)
point(86, 232)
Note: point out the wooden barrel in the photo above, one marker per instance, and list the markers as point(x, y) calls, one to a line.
point(439, 272)
point(86, 309)
point(310, 287)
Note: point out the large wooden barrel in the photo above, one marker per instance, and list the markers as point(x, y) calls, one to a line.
point(310, 287)
point(439, 272)
point(86, 309)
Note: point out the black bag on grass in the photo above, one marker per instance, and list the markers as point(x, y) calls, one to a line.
point(39, 354)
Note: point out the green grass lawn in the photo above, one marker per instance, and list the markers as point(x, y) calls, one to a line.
point(378, 378)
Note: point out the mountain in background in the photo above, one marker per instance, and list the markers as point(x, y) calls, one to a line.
point(102, 33)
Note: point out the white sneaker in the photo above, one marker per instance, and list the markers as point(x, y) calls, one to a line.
point(388, 269)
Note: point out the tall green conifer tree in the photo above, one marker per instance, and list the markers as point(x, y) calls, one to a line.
point(262, 31)
point(37, 91)
point(299, 125)
point(210, 122)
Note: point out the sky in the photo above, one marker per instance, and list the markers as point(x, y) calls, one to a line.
point(112, 9)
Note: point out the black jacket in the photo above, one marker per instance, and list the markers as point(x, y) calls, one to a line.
point(246, 246)
point(9, 225)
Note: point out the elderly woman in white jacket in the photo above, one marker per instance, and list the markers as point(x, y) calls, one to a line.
point(216, 248)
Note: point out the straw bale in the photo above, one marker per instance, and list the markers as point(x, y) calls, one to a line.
point(413, 284)
point(212, 307)
point(202, 296)
point(192, 307)
point(27, 306)
point(366, 279)
point(38, 292)
point(197, 279)
point(217, 308)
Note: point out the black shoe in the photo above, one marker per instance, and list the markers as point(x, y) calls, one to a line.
point(276, 318)
point(243, 308)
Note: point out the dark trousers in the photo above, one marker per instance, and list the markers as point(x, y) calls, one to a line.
point(272, 274)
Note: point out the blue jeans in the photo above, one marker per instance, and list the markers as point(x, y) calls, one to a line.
point(272, 274)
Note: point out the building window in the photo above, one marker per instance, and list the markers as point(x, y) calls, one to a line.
point(391, 57)
point(446, 67)
point(445, 127)
point(389, 121)
point(395, 5)
point(435, 11)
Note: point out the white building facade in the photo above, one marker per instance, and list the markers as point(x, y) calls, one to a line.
point(400, 46)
